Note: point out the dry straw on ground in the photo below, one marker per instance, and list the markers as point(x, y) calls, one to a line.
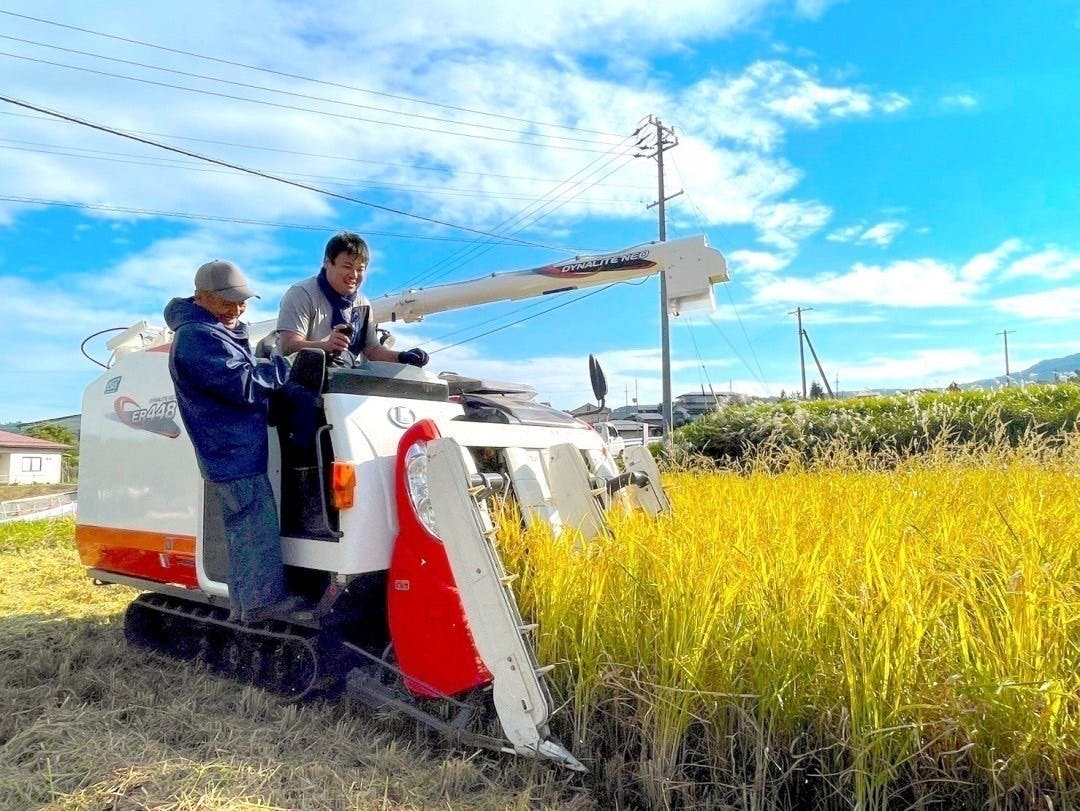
point(89, 724)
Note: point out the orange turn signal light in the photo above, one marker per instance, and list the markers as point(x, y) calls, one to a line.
point(342, 485)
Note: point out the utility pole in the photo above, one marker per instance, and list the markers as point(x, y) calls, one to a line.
point(665, 140)
point(1005, 335)
point(798, 311)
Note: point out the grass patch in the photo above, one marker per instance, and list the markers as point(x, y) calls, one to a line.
point(13, 492)
point(88, 723)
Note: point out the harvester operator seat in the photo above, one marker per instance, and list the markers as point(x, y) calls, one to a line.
point(309, 370)
point(299, 417)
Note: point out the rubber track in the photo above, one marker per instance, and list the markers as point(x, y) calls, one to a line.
point(275, 656)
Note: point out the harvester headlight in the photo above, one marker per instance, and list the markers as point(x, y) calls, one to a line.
point(416, 477)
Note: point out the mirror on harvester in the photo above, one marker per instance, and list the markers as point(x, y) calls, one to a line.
point(599, 382)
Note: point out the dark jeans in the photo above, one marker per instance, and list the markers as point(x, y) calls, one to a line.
point(256, 571)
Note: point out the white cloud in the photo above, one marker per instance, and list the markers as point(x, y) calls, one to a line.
point(981, 266)
point(927, 367)
point(784, 224)
point(757, 261)
point(755, 106)
point(892, 102)
point(849, 233)
point(1052, 263)
point(905, 283)
point(964, 101)
point(824, 316)
point(545, 62)
point(1049, 305)
point(813, 9)
point(883, 233)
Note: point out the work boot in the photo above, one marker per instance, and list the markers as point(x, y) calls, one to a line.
point(291, 609)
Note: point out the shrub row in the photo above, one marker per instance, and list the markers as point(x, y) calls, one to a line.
point(882, 429)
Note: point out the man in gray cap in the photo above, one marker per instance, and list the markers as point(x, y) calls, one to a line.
point(222, 395)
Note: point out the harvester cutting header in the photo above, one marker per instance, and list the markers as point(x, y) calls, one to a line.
point(386, 526)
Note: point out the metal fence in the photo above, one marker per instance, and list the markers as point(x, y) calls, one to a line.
point(38, 506)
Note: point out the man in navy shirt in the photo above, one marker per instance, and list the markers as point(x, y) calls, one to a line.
point(222, 395)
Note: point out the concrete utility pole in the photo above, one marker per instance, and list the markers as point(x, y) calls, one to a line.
point(798, 311)
point(1005, 335)
point(665, 139)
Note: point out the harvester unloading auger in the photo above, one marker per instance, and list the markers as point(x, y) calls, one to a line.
point(388, 531)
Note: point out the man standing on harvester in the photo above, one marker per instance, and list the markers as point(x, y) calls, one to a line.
point(329, 312)
point(222, 394)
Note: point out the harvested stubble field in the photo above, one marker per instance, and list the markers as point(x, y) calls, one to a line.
point(828, 638)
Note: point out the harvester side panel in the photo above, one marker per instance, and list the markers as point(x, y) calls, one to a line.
point(432, 638)
point(140, 493)
point(365, 433)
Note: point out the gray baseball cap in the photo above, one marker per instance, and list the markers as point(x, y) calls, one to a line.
point(225, 280)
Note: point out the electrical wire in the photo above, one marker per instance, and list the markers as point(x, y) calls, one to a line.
point(297, 108)
point(518, 320)
point(411, 166)
point(331, 180)
point(759, 374)
point(519, 222)
point(701, 361)
point(287, 75)
point(523, 320)
point(269, 176)
point(523, 219)
point(262, 88)
point(146, 212)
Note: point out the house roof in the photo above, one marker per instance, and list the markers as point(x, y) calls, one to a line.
point(9, 441)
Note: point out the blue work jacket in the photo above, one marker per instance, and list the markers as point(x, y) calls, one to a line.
point(221, 391)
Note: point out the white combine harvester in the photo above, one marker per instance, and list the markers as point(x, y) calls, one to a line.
point(386, 528)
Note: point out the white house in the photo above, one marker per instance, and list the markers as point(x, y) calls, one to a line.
point(27, 460)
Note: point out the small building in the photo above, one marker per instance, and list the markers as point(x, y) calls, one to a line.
point(697, 404)
point(28, 460)
point(591, 414)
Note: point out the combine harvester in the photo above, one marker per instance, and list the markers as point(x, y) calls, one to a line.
point(386, 527)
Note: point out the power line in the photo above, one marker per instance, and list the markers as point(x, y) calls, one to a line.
point(269, 176)
point(194, 166)
point(287, 75)
point(521, 219)
point(181, 215)
point(312, 110)
point(262, 88)
point(529, 318)
point(702, 222)
point(262, 148)
point(525, 218)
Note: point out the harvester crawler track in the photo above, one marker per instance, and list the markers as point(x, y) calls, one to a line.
point(275, 656)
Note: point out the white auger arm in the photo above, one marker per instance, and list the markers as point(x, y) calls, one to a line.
point(692, 268)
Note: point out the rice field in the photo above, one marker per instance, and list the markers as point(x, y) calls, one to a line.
point(818, 638)
point(830, 638)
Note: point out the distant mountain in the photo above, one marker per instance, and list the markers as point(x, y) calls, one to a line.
point(71, 422)
point(1045, 371)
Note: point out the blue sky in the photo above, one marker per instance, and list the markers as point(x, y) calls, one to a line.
point(908, 173)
